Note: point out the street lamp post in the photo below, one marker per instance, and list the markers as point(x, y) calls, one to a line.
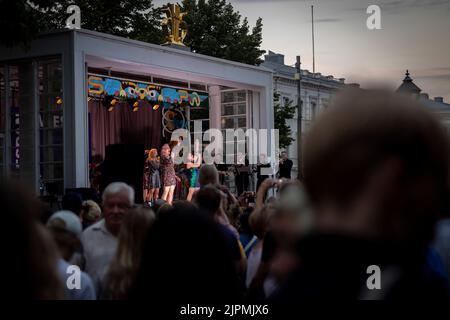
point(298, 77)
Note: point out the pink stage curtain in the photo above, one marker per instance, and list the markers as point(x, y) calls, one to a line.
point(122, 125)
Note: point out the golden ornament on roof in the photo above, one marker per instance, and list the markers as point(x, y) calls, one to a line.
point(173, 25)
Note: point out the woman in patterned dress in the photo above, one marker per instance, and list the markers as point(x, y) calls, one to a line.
point(154, 179)
point(169, 179)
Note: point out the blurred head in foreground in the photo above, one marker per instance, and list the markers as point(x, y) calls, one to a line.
point(185, 258)
point(66, 228)
point(375, 170)
point(31, 253)
point(208, 175)
point(376, 166)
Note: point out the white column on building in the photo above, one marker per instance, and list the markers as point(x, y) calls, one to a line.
point(254, 111)
point(76, 144)
point(214, 106)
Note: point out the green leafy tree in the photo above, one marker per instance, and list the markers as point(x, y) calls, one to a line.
point(282, 114)
point(215, 29)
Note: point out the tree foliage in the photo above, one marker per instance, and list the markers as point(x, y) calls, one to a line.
point(282, 114)
point(214, 27)
point(135, 19)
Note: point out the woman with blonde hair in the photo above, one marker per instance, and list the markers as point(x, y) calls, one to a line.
point(90, 213)
point(124, 266)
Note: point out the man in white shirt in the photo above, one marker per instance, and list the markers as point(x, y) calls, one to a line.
point(100, 240)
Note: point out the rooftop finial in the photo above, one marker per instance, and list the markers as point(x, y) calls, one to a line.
point(408, 86)
point(407, 77)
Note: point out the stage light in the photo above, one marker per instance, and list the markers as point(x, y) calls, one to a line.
point(112, 105)
point(135, 106)
point(156, 107)
point(58, 101)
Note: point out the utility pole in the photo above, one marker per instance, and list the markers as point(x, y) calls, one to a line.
point(298, 77)
point(314, 112)
point(312, 37)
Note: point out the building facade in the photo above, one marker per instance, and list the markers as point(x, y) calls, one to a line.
point(317, 92)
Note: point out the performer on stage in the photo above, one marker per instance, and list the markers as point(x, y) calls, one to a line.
point(154, 179)
point(180, 189)
point(193, 166)
point(146, 176)
point(169, 179)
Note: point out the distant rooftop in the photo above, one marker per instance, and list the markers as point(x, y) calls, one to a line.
point(408, 86)
point(275, 62)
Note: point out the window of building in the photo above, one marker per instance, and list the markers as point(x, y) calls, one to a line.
point(31, 115)
point(13, 153)
point(306, 111)
point(51, 155)
point(313, 110)
point(233, 113)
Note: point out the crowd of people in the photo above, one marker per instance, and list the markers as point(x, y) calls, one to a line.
point(375, 191)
